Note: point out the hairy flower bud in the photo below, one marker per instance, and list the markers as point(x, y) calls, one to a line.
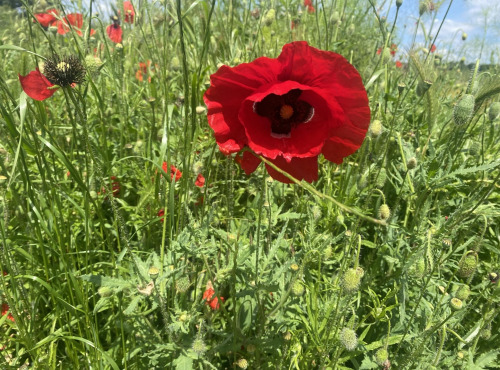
point(375, 129)
point(468, 264)
point(352, 279)
point(348, 339)
point(384, 212)
point(242, 363)
point(412, 163)
point(381, 356)
point(464, 110)
point(463, 292)
point(298, 288)
point(269, 17)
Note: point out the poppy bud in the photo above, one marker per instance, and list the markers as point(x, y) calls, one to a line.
point(417, 270)
point(399, 3)
point(352, 279)
point(375, 129)
point(464, 110)
point(335, 17)
point(412, 163)
point(182, 284)
point(93, 64)
point(105, 291)
point(199, 346)
point(348, 339)
point(384, 212)
point(463, 292)
point(468, 264)
point(269, 17)
point(175, 64)
point(297, 288)
point(494, 111)
point(456, 304)
point(381, 178)
point(327, 253)
point(464, 36)
point(401, 87)
point(381, 356)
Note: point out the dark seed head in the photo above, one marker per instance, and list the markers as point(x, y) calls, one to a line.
point(64, 71)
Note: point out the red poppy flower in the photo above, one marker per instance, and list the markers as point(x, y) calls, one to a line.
point(399, 64)
point(115, 186)
point(433, 48)
point(47, 19)
point(393, 49)
point(5, 310)
point(114, 30)
point(173, 171)
point(212, 301)
point(307, 2)
point(143, 70)
point(161, 213)
point(73, 19)
point(128, 9)
point(289, 110)
point(36, 85)
point(200, 181)
point(311, 9)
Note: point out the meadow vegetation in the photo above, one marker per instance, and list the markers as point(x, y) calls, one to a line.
point(130, 241)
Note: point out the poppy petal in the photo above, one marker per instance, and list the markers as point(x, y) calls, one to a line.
point(300, 168)
point(247, 161)
point(36, 86)
point(115, 33)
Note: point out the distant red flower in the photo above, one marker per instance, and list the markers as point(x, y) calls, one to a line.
point(114, 31)
point(128, 9)
point(161, 213)
point(115, 186)
point(310, 9)
point(5, 310)
point(393, 49)
point(307, 2)
point(433, 48)
point(200, 181)
point(399, 64)
point(143, 70)
point(173, 171)
point(36, 85)
point(379, 50)
point(48, 18)
point(289, 110)
point(212, 301)
point(4, 273)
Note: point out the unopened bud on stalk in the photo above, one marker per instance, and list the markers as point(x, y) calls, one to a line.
point(464, 110)
point(464, 36)
point(399, 3)
point(423, 87)
point(269, 17)
point(384, 212)
point(468, 264)
point(463, 292)
point(494, 111)
point(412, 163)
point(381, 356)
point(375, 129)
point(401, 87)
point(351, 280)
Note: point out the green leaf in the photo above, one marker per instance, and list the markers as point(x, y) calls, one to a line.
point(183, 363)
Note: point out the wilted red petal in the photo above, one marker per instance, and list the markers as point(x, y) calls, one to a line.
point(128, 9)
point(200, 181)
point(36, 86)
point(114, 32)
point(300, 168)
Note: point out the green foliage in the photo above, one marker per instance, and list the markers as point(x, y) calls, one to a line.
point(112, 263)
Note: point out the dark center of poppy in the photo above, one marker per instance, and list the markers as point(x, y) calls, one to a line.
point(284, 111)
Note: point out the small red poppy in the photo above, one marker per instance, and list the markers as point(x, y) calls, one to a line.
point(433, 48)
point(73, 19)
point(161, 213)
point(143, 70)
point(200, 181)
point(399, 64)
point(128, 9)
point(310, 9)
point(114, 31)
point(173, 171)
point(212, 301)
point(289, 110)
point(48, 18)
point(5, 311)
point(307, 2)
point(36, 85)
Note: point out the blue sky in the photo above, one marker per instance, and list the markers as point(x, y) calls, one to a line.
point(469, 16)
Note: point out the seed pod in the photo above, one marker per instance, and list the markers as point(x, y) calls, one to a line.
point(468, 264)
point(399, 3)
point(153, 272)
point(464, 110)
point(348, 339)
point(423, 87)
point(401, 87)
point(412, 163)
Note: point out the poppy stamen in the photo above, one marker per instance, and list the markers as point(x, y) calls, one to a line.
point(286, 111)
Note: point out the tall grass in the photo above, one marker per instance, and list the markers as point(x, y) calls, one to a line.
point(96, 277)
